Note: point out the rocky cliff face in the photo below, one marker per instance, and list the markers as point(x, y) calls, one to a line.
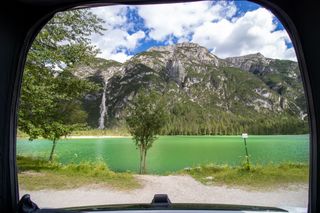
point(189, 73)
point(255, 63)
point(175, 70)
point(281, 76)
point(100, 71)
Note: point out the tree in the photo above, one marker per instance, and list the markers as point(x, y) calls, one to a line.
point(145, 117)
point(50, 96)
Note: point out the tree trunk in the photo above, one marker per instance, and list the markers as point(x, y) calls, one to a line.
point(52, 150)
point(144, 161)
point(141, 160)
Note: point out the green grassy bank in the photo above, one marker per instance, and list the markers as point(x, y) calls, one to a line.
point(89, 132)
point(101, 132)
point(36, 174)
point(266, 176)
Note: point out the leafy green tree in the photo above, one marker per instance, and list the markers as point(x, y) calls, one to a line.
point(50, 96)
point(145, 117)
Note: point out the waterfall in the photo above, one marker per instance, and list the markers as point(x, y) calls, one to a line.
point(103, 108)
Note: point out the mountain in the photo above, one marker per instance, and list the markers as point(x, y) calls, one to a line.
point(281, 76)
point(206, 94)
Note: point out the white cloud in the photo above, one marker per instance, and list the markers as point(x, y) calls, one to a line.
point(214, 25)
point(114, 16)
point(181, 19)
point(120, 56)
point(116, 41)
point(114, 44)
point(253, 32)
point(132, 40)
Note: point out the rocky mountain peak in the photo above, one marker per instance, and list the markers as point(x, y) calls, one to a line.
point(259, 54)
point(188, 53)
point(252, 62)
point(255, 55)
point(173, 47)
point(102, 68)
point(189, 45)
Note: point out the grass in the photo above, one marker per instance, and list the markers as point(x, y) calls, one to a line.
point(37, 174)
point(267, 176)
point(89, 132)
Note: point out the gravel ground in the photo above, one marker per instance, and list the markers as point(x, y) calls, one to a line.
point(180, 189)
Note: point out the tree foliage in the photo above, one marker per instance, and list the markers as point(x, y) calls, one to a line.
point(186, 119)
point(145, 118)
point(50, 104)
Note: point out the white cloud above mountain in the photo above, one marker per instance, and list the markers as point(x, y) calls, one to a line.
point(116, 41)
point(254, 32)
point(181, 20)
point(215, 25)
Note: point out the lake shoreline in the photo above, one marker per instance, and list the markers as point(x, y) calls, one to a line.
point(86, 137)
point(128, 136)
point(95, 136)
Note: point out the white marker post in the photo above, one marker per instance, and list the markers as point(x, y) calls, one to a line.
point(245, 136)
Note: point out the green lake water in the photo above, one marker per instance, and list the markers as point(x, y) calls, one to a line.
point(172, 153)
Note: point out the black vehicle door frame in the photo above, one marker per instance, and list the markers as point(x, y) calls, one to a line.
point(21, 20)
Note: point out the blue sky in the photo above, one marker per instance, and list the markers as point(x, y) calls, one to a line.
point(226, 28)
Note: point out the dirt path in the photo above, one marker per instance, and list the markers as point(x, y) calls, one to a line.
point(180, 189)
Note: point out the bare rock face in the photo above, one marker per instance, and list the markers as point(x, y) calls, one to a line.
point(197, 54)
point(187, 53)
point(175, 70)
point(102, 68)
point(84, 71)
point(255, 63)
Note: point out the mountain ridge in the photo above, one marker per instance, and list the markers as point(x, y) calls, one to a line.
point(250, 85)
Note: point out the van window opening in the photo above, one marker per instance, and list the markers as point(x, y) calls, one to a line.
point(200, 98)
